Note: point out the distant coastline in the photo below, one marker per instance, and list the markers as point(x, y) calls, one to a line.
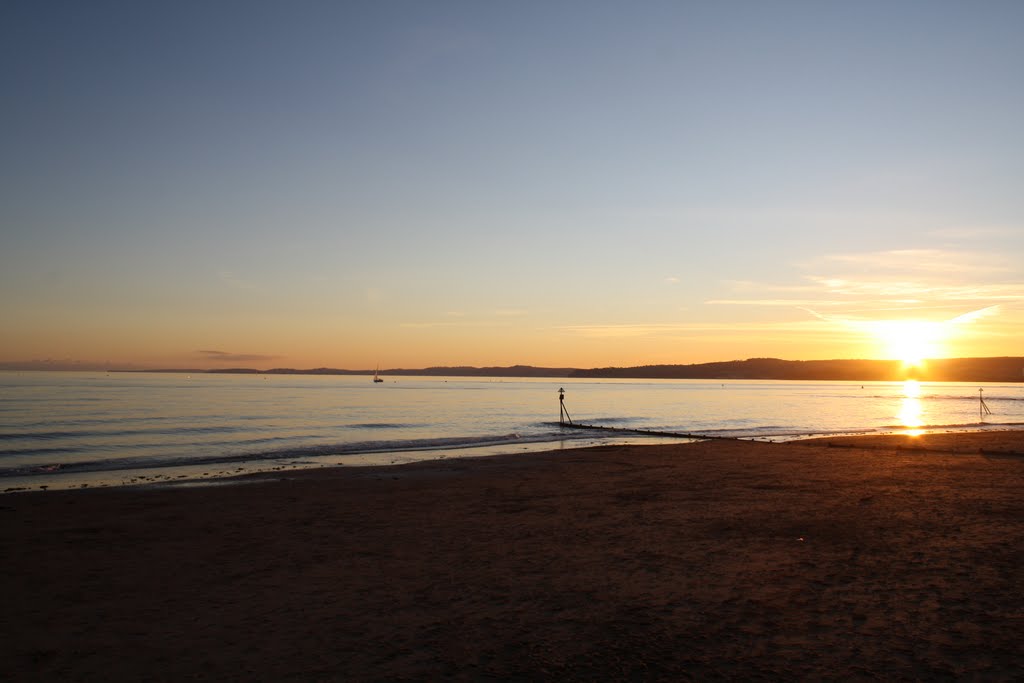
point(993, 369)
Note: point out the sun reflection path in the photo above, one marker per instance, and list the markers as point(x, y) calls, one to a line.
point(912, 388)
point(911, 413)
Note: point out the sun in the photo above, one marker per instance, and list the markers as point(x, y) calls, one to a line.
point(911, 341)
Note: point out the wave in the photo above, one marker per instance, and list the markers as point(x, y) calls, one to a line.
point(88, 433)
point(39, 451)
point(339, 451)
point(966, 426)
point(613, 420)
point(48, 456)
point(383, 425)
point(52, 435)
point(283, 454)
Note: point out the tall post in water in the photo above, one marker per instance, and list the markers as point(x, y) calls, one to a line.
point(563, 414)
point(982, 407)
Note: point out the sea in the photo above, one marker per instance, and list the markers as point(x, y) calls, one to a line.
point(81, 429)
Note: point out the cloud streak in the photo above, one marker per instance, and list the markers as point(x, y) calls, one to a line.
point(976, 232)
point(453, 323)
point(232, 281)
point(911, 282)
point(923, 261)
point(227, 356)
point(627, 330)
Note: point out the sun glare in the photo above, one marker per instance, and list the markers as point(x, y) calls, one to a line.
point(911, 341)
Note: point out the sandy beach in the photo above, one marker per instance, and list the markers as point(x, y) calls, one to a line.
point(843, 558)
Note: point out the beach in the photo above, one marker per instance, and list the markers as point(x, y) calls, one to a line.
point(842, 558)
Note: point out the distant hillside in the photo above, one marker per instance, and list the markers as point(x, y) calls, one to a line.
point(467, 371)
point(1007, 369)
point(457, 371)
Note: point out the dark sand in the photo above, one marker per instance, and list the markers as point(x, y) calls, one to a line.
point(716, 560)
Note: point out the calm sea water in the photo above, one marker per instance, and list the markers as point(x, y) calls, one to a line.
point(68, 429)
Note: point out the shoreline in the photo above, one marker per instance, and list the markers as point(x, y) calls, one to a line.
point(225, 471)
point(700, 561)
point(228, 469)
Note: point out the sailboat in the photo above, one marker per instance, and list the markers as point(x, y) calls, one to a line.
point(376, 377)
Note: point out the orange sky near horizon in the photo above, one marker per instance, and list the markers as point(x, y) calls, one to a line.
point(310, 344)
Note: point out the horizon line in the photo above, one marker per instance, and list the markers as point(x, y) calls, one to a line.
point(87, 366)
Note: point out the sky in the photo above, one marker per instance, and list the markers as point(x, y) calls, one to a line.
point(567, 184)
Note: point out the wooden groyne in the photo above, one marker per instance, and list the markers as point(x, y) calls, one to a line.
point(646, 432)
point(565, 421)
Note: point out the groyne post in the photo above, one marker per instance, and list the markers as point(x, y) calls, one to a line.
point(563, 414)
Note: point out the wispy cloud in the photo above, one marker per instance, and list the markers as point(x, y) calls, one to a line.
point(227, 356)
point(783, 303)
point(961, 319)
point(233, 281)
point(502, 317)
point(979, 314)
point(920, 261)
point(976, 232)
point(613, 330)
point(930, 283)
point(454, 323)
point(671, 280)
point(762, 287)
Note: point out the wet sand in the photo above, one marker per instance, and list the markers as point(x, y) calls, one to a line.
point(707, 561)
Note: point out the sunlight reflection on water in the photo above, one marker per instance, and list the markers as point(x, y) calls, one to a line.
point(911, 414)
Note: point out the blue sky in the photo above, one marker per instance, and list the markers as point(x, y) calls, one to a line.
point(569, 183)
